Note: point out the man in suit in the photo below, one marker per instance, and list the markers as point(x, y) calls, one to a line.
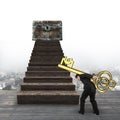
point(89, 90)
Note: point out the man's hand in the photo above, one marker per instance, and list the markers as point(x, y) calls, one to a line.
point(94, 77)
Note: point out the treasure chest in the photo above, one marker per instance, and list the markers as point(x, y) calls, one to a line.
point(47, 30)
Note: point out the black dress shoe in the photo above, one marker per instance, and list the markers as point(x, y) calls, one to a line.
point(97, 113)
point(81, 112)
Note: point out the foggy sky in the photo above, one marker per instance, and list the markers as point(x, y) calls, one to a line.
point(91, 31)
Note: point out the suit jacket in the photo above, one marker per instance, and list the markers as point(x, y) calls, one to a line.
point(88, 85)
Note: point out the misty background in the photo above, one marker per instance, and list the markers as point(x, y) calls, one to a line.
point(91, 32)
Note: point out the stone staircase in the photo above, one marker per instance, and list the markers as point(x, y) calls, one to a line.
point(44, 82)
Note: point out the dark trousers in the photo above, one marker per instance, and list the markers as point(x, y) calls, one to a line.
point(84, 95)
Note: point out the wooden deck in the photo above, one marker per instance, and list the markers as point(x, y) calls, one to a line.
point(108, 103)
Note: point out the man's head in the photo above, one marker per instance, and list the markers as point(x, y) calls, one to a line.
point(77, 76)
point(93, 74)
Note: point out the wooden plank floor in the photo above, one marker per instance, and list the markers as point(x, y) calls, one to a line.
point(109, 105)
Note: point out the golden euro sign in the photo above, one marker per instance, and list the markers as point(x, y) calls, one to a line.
point(102, 82)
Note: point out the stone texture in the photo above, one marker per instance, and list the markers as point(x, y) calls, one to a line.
point(44, 82)
point(108, 103)
point(48, 86)
point(47, 30)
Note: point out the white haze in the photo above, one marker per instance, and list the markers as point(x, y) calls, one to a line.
point(91, 31)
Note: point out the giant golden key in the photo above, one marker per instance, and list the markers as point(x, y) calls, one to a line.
point(102, 82)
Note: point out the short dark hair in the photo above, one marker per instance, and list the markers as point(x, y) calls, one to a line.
point(93, 74)
point(77, 75)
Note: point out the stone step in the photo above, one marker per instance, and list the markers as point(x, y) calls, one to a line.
point(48, 97)
point(42, 60)
point(44, 68)
point(50, 73)
point(47, 43)
point(47, 86)
point(47, 53)
point(43, 63)
point(47, 48)
point(45, 58)
point(45, 79)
